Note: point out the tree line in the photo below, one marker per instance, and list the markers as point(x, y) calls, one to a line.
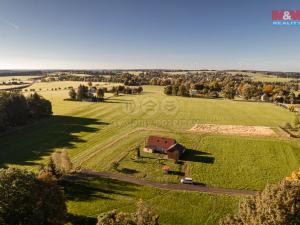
point(97, 94)
point(230, 87)
point(17, 110)
point(203, 84)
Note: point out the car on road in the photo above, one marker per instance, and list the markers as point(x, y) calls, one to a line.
point(186, 180)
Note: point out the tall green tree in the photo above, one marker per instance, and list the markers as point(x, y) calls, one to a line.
point(15, 106)
point(38, 106)
point(168, 90)
point(72, 94)
point(82, 92)
point(100, 93)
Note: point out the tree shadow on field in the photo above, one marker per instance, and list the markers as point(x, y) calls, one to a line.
point(30, 143)
point(89, 188)
point(114, 102)
point(198, 156)
point(128, 171)
point(177, 173)
point(79, 219)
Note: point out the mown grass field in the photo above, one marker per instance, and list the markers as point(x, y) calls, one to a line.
point(47, 86)
point(89, 197)
point(260, 77)
point(218, 161)
point(25, 79)
point(96, 134)
point(9, 78)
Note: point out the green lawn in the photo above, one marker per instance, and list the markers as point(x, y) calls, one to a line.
point(245, 163)
point(88, 197)
point(260, 77)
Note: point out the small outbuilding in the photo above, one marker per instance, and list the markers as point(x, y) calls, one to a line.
point(265, 98)
point(164, 145)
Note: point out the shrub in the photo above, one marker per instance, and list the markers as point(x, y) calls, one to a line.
point(142, 216)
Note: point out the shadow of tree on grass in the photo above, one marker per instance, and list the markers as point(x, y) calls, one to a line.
point(128, 171)
point(88, 188)
point(79, 219)
point(31, 143)
point(198, 156)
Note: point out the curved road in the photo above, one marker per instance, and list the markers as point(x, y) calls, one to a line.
point(168, 186)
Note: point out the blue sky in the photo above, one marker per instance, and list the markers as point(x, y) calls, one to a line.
point(125, 34)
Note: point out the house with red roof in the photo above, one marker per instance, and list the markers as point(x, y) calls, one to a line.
point(164, 145)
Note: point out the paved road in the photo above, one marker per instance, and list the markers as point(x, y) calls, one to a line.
point(168, 186)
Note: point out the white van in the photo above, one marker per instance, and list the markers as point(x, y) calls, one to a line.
point(186, 180)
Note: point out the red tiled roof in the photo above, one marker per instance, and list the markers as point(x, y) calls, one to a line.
point(161, 142)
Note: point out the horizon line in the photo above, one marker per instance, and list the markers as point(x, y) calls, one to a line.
point(143, 69)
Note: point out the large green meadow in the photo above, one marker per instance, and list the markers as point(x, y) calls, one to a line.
point(98, 134)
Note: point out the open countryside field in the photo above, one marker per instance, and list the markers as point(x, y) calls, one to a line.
point(21, 78)
point(47, 86)
point(90, 196)
point(97, 134)
point(260, 77)
point(25, 79)
point(217, 161)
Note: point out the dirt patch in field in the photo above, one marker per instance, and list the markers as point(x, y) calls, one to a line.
point(233, 130)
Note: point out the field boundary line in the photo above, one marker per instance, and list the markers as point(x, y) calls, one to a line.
point(92, 154)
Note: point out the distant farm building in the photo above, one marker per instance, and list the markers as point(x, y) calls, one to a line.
point(164, 145)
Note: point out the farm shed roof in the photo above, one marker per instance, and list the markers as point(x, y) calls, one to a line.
point(162, 142)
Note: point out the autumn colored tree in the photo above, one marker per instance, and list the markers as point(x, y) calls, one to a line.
point(268, 89)
point(277, 204)
point(62, 162)
point(29, 200)
point(229, 92)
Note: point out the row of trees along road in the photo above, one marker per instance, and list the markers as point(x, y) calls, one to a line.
point(16, 109)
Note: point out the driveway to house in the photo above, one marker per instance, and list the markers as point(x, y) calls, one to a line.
point(168, 186)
